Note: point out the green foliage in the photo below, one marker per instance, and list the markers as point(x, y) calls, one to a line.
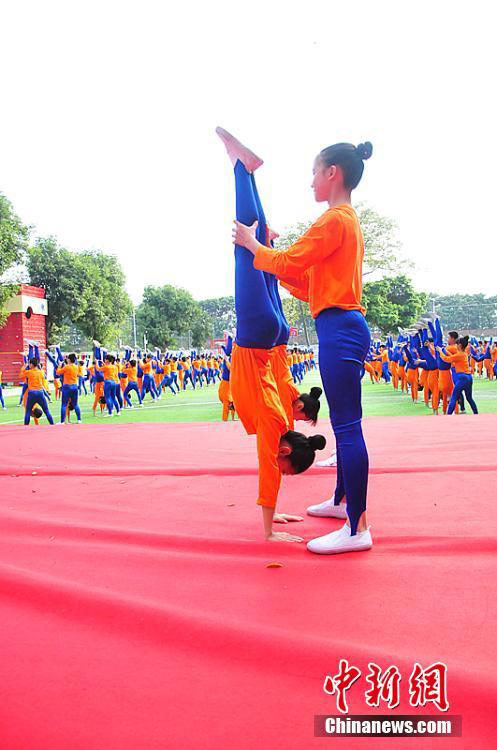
point(220, 311)
point(169, 310)
point(105, 302)
point(465, 311)
point(13, 244)
point(83, 289)
point(52, 268)
point(392, 303)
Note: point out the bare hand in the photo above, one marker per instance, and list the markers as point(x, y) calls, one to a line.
point(282, 536)
point(244, 235)
point(285, 518)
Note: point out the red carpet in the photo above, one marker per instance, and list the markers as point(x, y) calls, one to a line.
point(137, 611)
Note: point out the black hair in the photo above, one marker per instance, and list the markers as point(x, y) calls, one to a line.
point(463, 341)
point(311, 403)
point(132, 362)
point(349, 158)
point(37, 413)
point(34, 361)
point(81, 361)
point(70, 406)
point(72, 358)
point(102, 400)
point(111, 358)
point(303, 449)
point(454, 334)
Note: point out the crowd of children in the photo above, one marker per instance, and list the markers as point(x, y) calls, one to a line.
point(113, 378)
point(442, 370)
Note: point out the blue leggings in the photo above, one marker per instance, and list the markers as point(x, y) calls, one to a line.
point(344, 341)
point(148, 386)
point(110, 395)
point(271, 280)
point(462, 384)
point(132, 387)
point(1, 397)
point(69, 393)
point(167, 383)
point(385, 374)
point(259, 320)
point(188, 376)
point(36, 397)
point(82, 385)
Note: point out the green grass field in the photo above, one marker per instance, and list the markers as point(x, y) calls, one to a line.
point(202, 405)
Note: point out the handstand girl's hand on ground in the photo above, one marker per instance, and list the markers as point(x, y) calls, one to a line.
point(245, 236)
point(285, 518)
point(282, 536)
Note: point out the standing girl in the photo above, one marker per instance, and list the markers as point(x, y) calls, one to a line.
point(324, 268)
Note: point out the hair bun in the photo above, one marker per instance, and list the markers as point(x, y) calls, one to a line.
point(364, 150)
point(316, 392)
point(317, 442)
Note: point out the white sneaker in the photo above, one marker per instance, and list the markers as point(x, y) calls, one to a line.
point(331, 461)
point(328, 509)
point(341, 541)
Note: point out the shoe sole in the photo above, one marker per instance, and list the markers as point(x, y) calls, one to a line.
point(340, 551)
point(317, 514)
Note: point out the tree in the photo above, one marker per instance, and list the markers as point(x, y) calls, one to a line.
point(13, 243)
point(167, 311)
point(465, 311)
point(221, 313)
point(83, 289)
point(55, 270)
point(392, 303)
point(104, 301)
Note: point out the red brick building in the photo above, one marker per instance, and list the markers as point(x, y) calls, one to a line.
point(26, 322)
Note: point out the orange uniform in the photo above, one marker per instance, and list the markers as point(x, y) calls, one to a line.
point(459, 361)
point(258, 404)
point(324, 266)
point(35, 379)
point(110, 372)
point(284, 381)
point(70, 373)
point(225, 396)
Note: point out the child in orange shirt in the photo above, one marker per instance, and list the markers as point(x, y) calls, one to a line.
point(463, 381)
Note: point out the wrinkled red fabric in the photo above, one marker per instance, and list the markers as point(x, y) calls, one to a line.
point(137, 611)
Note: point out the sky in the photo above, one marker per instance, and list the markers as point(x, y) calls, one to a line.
point(109, 109)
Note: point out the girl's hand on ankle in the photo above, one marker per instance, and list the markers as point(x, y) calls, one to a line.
point(245, 236)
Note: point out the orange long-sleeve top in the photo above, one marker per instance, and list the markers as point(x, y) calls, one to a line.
point(70, 373)
point(35, 379)
point(110, 372)
point(146, 367)
point(324, 266)
point(459, 361)
point(131, 372)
